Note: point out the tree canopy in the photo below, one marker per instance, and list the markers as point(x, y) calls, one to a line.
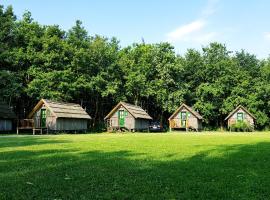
point(38, 61)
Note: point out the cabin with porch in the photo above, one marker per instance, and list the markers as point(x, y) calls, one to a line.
point(185, 118)
point(7, 118)
point(240, 114)
point(52, 116)
point(125, 116)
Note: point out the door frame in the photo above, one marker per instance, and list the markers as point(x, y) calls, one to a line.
point(181, 119)
point(121, 118)
point(43, 118)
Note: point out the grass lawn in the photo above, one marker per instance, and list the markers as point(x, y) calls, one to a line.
point(136, 166)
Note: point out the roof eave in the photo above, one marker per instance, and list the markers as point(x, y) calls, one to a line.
point(187, 107)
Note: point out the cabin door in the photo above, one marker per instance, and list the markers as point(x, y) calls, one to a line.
point(183, 118)
point(43, 118)
point(121, 118)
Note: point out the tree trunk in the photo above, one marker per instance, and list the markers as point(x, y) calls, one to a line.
point(221, 123)
point(96, 112)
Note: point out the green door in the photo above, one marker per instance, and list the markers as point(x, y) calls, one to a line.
point(43, 118)
point(121, 117)
point(183, 117)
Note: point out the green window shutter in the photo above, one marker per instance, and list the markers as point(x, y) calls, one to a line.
point(126, 113)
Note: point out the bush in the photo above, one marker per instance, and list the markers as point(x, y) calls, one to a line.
point(241, 126)
point(99, 127)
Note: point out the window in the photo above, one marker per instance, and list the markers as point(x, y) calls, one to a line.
point(183, 115)
point(126, 113)
point(240, 116)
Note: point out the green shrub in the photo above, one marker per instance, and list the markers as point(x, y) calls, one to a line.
point(241, 126)
point(99, 127)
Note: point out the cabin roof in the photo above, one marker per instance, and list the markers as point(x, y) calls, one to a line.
point(62, 109)
point(135, 111)
point(196, 114)
point(6, 112)
point(236, 109)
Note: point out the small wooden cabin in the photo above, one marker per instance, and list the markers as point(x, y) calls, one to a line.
point(7, 117)
point(59, 116)
point(240, 114)
point(185, 118)
point(127, 116)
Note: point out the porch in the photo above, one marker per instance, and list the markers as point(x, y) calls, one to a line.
point(29, 124)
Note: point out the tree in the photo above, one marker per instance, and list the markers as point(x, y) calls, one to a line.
point(38, 61)
point(7, 35)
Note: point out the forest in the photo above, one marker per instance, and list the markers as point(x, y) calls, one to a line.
point(43, 61)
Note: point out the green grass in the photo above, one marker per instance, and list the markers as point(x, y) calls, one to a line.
point(136, 166)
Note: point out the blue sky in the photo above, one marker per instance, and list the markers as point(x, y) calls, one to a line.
point(240, 24)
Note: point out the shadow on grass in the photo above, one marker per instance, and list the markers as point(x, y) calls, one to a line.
point(226, 172)
point(23, 141)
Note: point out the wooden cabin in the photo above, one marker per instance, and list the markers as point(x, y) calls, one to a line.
point(55, 116)
point(126, 116)
point(7, 117)
point(185, 118)
point(240, 114)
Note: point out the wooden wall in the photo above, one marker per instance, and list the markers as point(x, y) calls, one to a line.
point(129, 120)
point(50, 119)
point(71, 124)
point(5, 124)
point(192, 120)
point(60, 124)
point(141, 124)
point(247, 118)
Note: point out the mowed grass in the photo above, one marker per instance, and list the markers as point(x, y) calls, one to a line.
point(136, 166)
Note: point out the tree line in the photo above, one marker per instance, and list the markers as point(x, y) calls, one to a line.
point(43, 61)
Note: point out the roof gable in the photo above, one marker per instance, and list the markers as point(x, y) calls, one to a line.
point(6, 112)
point(196, 114)
point(135, 111)
point(236, 109)
point(62, 109)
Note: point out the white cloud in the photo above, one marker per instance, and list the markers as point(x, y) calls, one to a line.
point(195, 31)
point(192, 32)
point(183, 32)
point(267, 36)
point(210, 8)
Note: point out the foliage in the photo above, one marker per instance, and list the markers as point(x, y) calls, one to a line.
point(38, 61)
point(241, 126)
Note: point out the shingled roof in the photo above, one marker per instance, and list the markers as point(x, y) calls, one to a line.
point(136, 111)
point(196, 114)
point(62, 109)
point(6, 112)
point(236, 109)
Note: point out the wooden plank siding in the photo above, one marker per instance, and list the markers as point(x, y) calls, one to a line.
point(66, 124)
point(7, 117)
point(193, 119)
point(50, 119)
point(141, 124)
point(6, 124)
point(129, 119)
point(247, 116)
point(60, 116)
point(135, 118)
